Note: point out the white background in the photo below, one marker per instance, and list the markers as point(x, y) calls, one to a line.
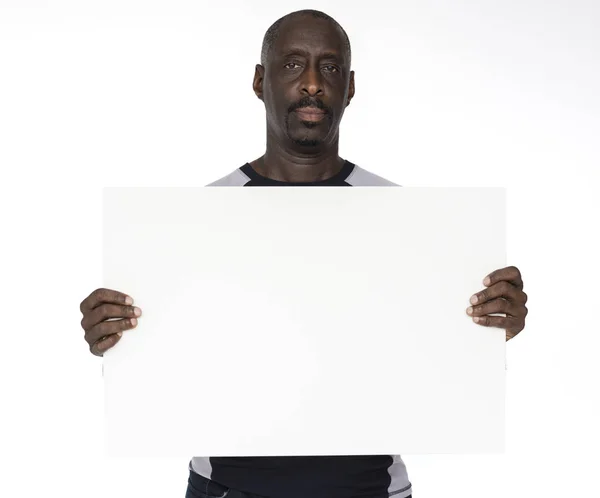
point(462, 93)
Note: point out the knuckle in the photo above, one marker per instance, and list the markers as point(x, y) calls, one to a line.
point(103, 329)
point(103, 344)
point(109, 342)
point(110, 312)
point(114, 311)
point(101, 312)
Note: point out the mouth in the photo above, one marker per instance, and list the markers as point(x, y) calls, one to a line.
point(310, 114)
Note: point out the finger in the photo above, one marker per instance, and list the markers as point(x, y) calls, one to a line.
point(509, 274)
point(100, 296)
point(502, 289)
point(109, 328)
point(106, 311)
point(500, 322)
point(498, 305)
point(100, 347)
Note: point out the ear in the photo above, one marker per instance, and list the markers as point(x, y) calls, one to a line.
point(351, 89)
point(257, 84)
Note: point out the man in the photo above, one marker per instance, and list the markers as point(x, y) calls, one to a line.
point(305, 82)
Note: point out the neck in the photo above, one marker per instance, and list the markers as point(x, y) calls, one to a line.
point(292, 165)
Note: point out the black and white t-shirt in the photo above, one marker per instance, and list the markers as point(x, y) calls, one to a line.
point(376, 476)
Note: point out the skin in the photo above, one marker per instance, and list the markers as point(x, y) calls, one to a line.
point(99, 306)
point(307, 66)
point(503, 294)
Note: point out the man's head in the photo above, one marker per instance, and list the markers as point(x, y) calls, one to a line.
point(304, 78)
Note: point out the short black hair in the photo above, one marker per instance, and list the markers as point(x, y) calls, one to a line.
point(273, 32)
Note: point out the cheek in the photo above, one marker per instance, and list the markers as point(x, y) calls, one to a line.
point(276, 113)
point(270, 98)
point(277, 108)
point(270, 107)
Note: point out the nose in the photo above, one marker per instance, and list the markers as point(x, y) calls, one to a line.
point(311, 83)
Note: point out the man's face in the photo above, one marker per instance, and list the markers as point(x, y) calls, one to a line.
point(307, 82)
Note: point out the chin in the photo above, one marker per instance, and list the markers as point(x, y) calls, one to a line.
point(309, 138)
point(308, 142)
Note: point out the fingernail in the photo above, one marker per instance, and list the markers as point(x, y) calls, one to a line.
point(137, 311)
point(476, 319)
point(128, 300)
point(119, 334)
point(486, 281)
point(474, 300)
point(470, 311)
point(134, 322)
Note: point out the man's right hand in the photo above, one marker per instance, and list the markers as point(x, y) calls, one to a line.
point(100, 332)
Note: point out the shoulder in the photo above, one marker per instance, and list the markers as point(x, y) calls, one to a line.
point(236, 179)
point(360, 177)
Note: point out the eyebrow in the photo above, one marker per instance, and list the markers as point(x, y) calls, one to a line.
point(298, 51)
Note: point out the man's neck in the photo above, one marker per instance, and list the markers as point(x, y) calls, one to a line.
point(287, 166)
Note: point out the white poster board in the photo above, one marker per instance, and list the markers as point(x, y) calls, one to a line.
point(304, 321)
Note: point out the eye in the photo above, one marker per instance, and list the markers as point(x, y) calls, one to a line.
point(331, 68)
point(290, 64)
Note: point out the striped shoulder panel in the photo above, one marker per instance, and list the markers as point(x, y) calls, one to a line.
point(362, 178)
point(236, 179)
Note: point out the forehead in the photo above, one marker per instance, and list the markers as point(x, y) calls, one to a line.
point(309, 34)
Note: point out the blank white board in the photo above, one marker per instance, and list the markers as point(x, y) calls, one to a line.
point(303, 321)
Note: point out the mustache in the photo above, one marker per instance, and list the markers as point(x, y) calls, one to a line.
point(308, 102)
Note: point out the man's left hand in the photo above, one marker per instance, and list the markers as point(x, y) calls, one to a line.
point(504, 294)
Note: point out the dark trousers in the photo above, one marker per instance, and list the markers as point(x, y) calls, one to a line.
point(200, 487)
